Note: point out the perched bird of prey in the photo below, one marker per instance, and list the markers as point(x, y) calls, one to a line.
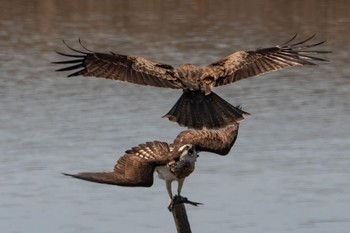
point(172, 162)
point(198, 107)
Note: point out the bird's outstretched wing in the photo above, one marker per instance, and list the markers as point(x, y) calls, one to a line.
point(114, 66)
point(219, 141)
point(133, 169)
point(245, 64)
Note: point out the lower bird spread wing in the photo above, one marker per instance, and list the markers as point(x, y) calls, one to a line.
point(219, 141)
point(244, 64)
point(114, 66)
point(135, 168)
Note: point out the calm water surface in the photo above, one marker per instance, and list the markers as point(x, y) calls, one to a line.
point(288, 172)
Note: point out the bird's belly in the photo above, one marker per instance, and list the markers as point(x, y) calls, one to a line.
point(165, 174)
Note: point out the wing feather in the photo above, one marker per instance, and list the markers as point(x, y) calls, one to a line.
point(134, 168)
point(112, 178)
point(114, 66)
point(219, 141)
point(155, 153)
point(245, 64)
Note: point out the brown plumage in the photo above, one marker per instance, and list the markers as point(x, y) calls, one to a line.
point(218, 141)
point(190, 78)
point(173, 162)
point(193, 106)
point(135, 167)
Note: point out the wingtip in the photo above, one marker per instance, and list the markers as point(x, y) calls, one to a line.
point(170, 117)
point(83, 46)
point(290, 40)
point(73, 49)
point(67, 174)
point(76, 176)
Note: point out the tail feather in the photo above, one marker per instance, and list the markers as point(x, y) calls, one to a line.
point(213, 113)
point(196, 110)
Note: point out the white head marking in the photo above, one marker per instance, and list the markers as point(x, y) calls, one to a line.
point(188, 152)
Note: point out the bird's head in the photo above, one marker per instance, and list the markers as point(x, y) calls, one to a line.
point(207, 80)
point(188, 153)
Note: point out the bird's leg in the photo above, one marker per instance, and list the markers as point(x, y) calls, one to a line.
point(176, 198)
point(168, 188)
point(179, 187)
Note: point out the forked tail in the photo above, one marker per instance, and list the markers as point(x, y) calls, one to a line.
point(196, 110)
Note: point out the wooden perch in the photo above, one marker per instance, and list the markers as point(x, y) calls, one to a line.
point(177, 207)
point(180, 218)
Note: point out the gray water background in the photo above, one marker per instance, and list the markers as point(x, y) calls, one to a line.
point(288, 172)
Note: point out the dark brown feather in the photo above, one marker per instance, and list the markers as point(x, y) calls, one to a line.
point(218, 141)
point(245, 64)
point(135, 168)
point(112, 178)
point(194, 109)
point(114, 66)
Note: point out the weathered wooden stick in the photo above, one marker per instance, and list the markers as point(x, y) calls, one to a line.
point(180, 218)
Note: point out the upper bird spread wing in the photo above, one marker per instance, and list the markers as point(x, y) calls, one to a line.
point(114, 66)
point(244, 64)
point(135, 168)
point(219, 141)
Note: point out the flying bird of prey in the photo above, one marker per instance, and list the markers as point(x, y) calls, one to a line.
point(172, 162)
point(199, 106)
